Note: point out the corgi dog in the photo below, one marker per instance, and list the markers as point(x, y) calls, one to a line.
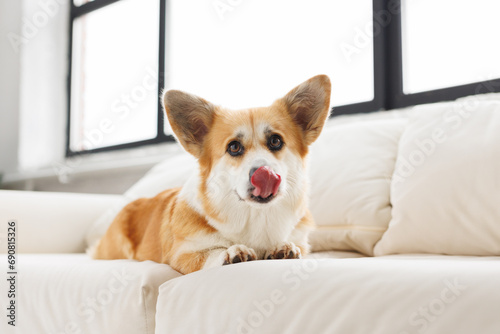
point(248, 198)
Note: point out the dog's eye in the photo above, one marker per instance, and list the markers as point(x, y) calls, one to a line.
point(275, 143)
point(235, 148)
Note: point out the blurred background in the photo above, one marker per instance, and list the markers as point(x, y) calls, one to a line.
point(80, 80)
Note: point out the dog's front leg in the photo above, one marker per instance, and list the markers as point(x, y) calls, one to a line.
point(286, 250)
point(297, 244)
point(187, 262)
point(233, 254)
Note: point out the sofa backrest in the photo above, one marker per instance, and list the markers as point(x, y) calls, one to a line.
point(49, 222)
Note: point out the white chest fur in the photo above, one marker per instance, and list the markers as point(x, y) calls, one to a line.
point(261, 227)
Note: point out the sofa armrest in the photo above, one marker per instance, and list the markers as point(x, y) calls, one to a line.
point(50, 222)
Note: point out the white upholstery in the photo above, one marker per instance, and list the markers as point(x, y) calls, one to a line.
point(70, 293)
point(333, 255)
point(395, 294)
point(351, 166)
point(50, 222)
point(446, 185)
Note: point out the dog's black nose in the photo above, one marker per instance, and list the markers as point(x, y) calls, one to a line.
point(252, 171)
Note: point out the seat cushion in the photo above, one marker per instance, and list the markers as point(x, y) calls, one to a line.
point(393, 294)
point(70, 293)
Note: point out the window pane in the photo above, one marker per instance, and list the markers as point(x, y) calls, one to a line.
point(115, 75)
point(448, 43)
point(248, 53)
point(81, 2)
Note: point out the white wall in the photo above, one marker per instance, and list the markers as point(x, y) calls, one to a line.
point(44, 64)
point(33, 67)
point(10, 23)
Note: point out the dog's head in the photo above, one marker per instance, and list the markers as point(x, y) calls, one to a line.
point(253, 156)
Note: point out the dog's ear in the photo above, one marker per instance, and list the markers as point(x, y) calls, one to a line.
point(308, 104)
point(190, 118)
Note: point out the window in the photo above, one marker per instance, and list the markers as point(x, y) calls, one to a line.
point(379, 54)
point(247, 57)
point(114, 82)
point(439, 50)
point(459, 50)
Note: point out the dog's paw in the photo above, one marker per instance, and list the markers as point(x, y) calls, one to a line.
point(238, 253)
point(287, 250)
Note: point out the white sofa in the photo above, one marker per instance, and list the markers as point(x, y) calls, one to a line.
point(370, 195)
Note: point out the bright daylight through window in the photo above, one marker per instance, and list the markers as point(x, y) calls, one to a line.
point(447, 50)
point(114, 75)
point(379, 54)
point(240, 58)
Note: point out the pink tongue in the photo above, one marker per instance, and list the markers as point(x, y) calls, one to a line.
point(265, 181)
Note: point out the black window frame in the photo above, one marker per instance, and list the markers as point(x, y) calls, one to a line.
point(387, 72)
point(161, 137)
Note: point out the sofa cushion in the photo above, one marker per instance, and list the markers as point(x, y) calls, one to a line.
point(70, 293)
point(446, 186)
point(394, 294)
point(350, 170)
